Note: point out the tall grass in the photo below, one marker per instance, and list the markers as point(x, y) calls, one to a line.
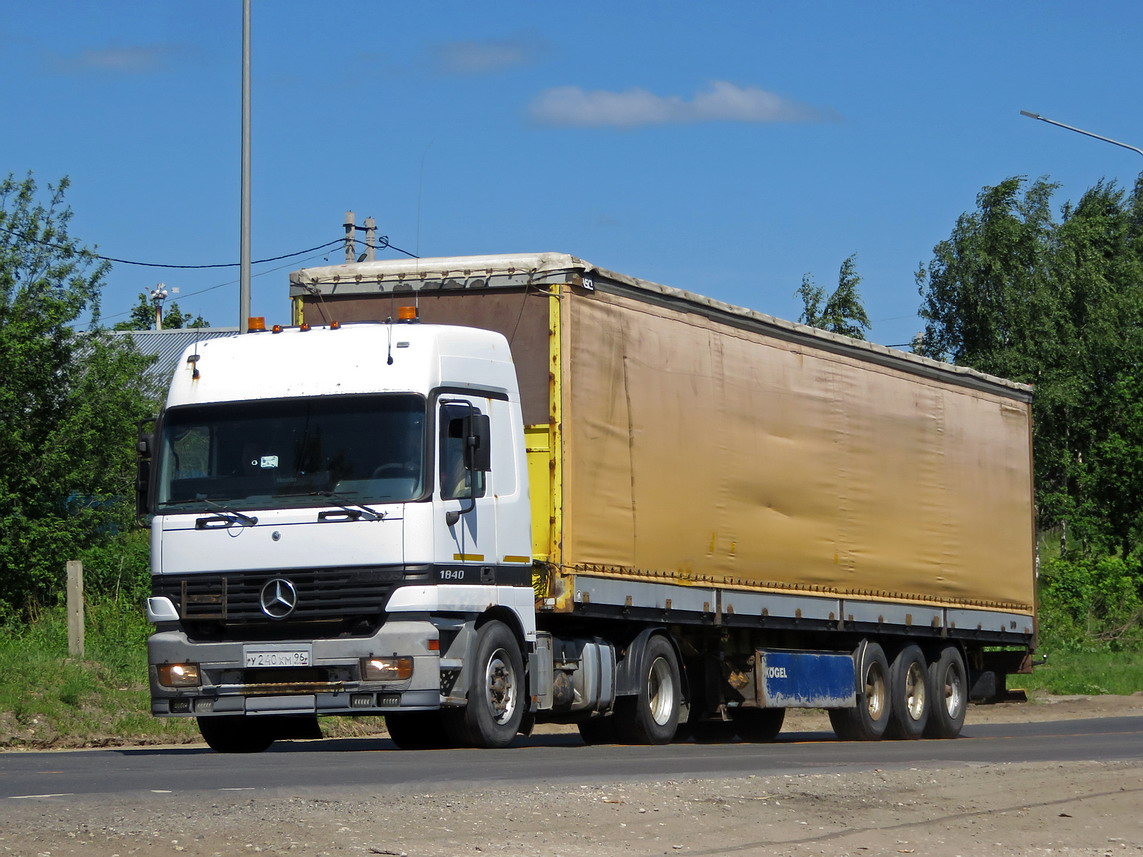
point(48, 699)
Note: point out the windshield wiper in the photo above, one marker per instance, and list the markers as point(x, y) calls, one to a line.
point(358, 509)
point(229, 514)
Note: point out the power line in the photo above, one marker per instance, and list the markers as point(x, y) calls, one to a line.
point(384, 243)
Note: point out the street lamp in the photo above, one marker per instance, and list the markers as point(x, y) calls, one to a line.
point(1080, 131)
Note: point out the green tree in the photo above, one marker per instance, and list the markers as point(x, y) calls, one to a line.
point(142, 317)
point(1058, 304)
point(840, 312)
point(68, 400)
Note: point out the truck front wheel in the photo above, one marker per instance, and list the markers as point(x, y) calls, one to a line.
point(652, 715)
point(235, 734)
point(496, 695)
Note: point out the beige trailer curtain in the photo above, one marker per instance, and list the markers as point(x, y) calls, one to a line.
point(697, 451)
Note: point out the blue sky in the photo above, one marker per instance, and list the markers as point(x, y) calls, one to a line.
point(726, 147)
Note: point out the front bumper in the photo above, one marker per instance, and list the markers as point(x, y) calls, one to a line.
point(330, 684)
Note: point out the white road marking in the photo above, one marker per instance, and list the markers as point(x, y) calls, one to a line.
point(30, 797)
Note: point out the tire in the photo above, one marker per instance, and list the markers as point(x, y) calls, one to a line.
point(948, 693)
point(909, 688)
point(418, 730)
point(870, 719)
point(759, 725)
point(598, 730)
point(652, 715)
point(496, 691)
point(238, 734)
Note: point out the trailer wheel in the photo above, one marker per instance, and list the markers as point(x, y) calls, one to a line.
point(948, 690)
point(235, 734)
point(908, 684)
point(496, 692)
point(759, 725)
point(869, 720)
point(418, 730)
point(652, 715)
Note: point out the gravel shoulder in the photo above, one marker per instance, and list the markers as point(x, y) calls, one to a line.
point(1081, 808)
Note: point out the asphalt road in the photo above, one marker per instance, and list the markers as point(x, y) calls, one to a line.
point(375, 765)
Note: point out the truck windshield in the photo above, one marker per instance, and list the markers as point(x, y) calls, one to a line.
point(292, 452)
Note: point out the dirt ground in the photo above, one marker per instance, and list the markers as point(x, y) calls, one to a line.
point(1082, 808)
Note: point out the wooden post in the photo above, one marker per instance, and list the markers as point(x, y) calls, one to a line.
point(75, 642)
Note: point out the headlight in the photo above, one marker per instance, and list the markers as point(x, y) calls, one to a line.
point(387, 669)
point(179, 675)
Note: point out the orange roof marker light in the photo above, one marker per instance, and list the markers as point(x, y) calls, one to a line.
point(305, 325)
point(335, 325)
point(406, 313)
point(255, 323)
point(277, 328)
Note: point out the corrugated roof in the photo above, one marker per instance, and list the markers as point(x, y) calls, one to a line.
point(166, 346)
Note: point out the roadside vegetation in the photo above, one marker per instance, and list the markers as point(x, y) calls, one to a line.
point(1017, 291)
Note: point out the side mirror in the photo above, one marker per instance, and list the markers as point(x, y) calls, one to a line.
point(144, 444)
point(477, 442)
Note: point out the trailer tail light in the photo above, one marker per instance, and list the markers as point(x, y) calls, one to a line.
point(406, 313)
point(387, 669)
point(179, 675)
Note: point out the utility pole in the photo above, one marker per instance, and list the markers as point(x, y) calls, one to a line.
point(351, 230)
point(244, 249)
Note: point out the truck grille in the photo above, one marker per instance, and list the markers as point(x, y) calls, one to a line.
point(345, 596)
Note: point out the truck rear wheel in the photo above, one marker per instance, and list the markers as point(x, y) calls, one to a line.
point(869, 720)
point(236, 734)
point(948, 690)
point(908, 686)
point(652, 715)
point(496, 695)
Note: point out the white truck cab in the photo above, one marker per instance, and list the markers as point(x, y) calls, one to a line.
point(333, 508)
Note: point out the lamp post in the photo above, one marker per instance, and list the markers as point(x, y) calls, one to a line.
point(1080, 131)
point(244, 242)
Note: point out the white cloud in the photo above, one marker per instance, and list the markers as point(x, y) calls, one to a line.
point(722, 102)
point(484, 57)
point(121, 60)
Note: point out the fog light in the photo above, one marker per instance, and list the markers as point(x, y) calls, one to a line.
point(180, 706)
point(361, 700)
point(203, 706)
point(387, 669)
point(179, 675)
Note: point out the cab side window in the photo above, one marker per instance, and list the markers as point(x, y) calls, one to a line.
point(456, 481)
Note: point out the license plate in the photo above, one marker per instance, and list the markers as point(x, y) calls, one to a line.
point(277, 657)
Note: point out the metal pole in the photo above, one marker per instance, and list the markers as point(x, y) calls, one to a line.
point(244, 250)
point(1080, 131)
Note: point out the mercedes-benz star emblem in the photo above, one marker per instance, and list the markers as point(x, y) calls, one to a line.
point(278, 598)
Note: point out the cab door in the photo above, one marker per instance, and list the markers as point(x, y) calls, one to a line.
point(463, 496)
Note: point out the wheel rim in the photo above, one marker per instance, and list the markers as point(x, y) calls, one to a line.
point(661, 691)
point(875, 692)
point(954, 691)
point(500, 686)
point(915, 691)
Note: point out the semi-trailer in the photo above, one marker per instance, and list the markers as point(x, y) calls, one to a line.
point(475, 493)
